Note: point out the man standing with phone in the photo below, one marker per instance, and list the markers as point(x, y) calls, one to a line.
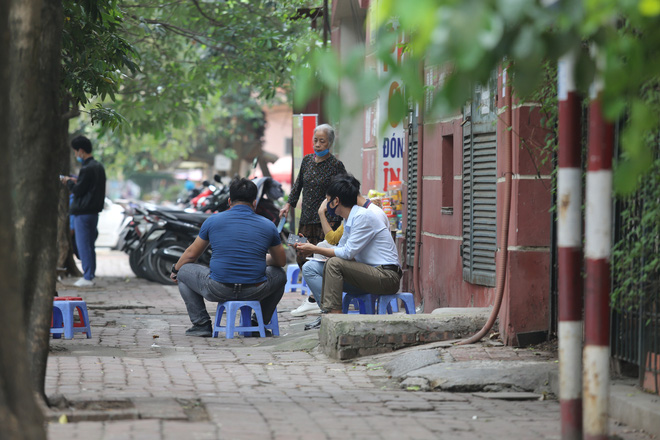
point(88, 191)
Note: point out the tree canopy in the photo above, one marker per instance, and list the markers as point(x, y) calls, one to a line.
point(187, 74)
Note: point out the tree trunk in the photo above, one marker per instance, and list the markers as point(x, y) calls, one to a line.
point(20, 416)
point(30, 34)
point(65, 263)
point(35, 55)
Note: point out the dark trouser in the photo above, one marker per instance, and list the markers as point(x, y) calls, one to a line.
point(195, 285)
point(86, 233)
point(374, 280)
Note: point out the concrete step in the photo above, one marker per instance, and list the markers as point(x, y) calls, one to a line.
point(349, 336)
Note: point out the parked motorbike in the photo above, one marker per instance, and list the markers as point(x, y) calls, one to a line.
point(156, 237)
point(135, 230)
point(175, 231)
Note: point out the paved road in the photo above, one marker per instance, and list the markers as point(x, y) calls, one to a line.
point(139, 377)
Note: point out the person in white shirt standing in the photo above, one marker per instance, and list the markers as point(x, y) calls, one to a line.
point(366, 259)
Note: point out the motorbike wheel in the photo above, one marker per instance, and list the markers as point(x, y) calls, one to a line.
point(140, 270)
point(160, 268)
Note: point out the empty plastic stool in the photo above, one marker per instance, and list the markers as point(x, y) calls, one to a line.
point(62, 321)
point(406, 297)
point(292, 284)
point(366, 303)
point(245, 325)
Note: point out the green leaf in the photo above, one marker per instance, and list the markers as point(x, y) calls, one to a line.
point(396, 105)
point(650, 8)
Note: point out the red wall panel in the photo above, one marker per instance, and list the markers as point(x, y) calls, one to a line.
point(525, 306)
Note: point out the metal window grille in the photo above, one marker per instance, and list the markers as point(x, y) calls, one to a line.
point(411, 188)
point(480, 187)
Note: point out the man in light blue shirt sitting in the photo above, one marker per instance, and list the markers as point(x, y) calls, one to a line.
point(366, 259)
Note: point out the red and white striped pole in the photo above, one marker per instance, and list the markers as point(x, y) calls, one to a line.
point(569, 240)
point(598, 246)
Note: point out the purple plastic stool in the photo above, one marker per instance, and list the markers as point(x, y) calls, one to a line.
point(384, 306)
point(62, 323)
point(245, 325)
point(366, 302)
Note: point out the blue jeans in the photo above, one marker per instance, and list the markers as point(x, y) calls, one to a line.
point(195, 285)
point(312, 272)
point(86, 233)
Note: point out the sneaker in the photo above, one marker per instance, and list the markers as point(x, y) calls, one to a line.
point(314, 324)
point(255, 323)
point(306, 308)
point(203, 331)
point(84, 283)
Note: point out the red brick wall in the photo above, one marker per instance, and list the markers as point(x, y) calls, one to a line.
point(526, 297)
point(525, 305)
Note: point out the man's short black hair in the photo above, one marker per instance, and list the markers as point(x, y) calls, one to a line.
point(342, 186)
point(82, 143)
point(348, 177)
point(242, 190)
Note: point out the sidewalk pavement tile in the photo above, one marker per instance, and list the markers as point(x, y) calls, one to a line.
point(245, 388)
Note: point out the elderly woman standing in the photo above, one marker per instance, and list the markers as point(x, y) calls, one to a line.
point(316, 171)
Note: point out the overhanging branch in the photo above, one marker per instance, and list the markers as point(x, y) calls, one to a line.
point(71, 113)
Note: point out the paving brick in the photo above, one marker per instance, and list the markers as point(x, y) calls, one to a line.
point(249, 388)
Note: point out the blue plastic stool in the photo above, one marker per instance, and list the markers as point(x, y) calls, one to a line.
point(62, 322)
point(245, 307)
point(292, 284)
point(392, 306)
point(406, 297)
point(366, 303)
point(354, 302)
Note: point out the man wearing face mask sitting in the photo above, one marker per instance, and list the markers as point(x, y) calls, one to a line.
point(365, 260)
point(312, 271)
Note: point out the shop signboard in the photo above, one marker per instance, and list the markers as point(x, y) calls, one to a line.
point(381, 134)
point(390, 133)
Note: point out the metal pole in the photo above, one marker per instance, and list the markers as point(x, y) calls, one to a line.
point(569, 196)
point(598, 247)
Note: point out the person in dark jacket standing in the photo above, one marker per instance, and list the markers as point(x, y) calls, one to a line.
point(88, 197)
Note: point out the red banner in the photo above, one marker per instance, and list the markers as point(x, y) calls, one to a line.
point(309, 124)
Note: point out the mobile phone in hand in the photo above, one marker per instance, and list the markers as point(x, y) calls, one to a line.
point(296, 239)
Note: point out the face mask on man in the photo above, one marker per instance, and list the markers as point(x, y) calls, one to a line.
point(322, 153)
point(331, 211)
point(80, 159)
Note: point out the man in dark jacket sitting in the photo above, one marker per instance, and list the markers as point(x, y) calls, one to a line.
point(88, 191)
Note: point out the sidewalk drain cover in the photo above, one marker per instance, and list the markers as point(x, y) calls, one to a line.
point(508, 396)
point(94, 410)
point(101, 405)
